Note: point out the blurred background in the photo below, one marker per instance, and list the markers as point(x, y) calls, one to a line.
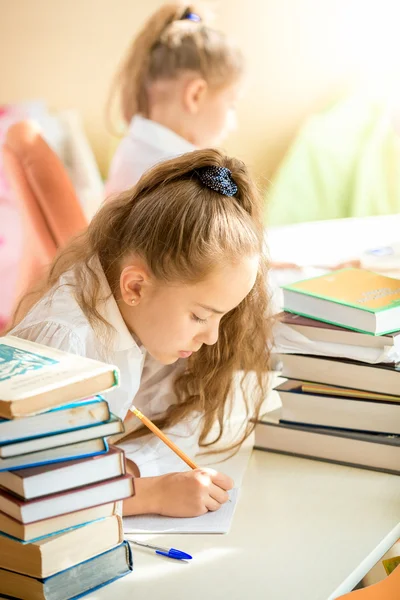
point(318, 121)
point(303, 55)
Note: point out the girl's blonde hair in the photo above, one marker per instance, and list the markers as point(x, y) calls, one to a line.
point(169, 44)
point(182, 230)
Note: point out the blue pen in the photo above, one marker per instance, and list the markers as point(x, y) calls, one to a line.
point(169, 552)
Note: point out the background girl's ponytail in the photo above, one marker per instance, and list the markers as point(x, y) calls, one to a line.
point(131, 78)
point(168, 44)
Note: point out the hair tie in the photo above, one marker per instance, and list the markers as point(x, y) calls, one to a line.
point(191, 17)
point(218, 179)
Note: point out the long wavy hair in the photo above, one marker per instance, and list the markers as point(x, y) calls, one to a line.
point(182, 230)
point(170, 44)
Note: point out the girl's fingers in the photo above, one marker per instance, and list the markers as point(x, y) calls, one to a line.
point(223, 481)
point(218, 494)
point(212, 505)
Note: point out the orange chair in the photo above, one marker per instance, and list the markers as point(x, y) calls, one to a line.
point(387, 589)
point(50, 210)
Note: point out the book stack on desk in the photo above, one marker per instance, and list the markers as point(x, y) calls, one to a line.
point(338, 345)
point(61, 533)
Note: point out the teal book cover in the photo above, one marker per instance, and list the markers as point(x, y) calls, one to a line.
point(73, 583)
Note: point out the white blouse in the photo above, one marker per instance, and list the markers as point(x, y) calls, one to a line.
point(146, 144)
point(60, 323)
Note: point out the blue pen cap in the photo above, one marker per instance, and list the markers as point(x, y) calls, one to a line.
point(173, 553)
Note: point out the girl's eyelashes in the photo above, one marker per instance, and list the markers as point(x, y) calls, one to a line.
point(198, 320)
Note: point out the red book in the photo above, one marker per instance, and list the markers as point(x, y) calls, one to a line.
point(29, 511)
point(318, 331)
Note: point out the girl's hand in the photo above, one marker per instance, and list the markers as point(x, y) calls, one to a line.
point(192, 493)
point(188, 494)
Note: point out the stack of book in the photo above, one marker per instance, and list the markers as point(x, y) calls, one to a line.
point(61, 532)
point(338, 345)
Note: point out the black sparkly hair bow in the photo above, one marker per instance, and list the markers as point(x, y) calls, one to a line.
point(218, 179)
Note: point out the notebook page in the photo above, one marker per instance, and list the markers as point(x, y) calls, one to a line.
point(212, 522)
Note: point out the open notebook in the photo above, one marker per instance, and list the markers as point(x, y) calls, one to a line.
point(212, 522)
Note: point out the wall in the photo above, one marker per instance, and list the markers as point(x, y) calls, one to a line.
point(302, 54)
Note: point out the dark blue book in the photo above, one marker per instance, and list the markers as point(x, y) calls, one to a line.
point(72, 583)
point(54, 455)
point(374, 451)
point(113, 426)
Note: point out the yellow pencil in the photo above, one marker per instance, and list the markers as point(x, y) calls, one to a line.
point(163, 437)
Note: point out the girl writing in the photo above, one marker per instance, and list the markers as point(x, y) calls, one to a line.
point(169, 284)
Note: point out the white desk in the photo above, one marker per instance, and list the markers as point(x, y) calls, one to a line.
point(331, 242)
point(303, 530)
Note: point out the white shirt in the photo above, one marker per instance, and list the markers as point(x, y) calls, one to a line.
point(146, 144)
point(62, 324)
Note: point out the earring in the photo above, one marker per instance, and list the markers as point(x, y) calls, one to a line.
point(133, 301)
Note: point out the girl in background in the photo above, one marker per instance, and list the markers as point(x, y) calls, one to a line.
point(177, 87)
point(169, 284)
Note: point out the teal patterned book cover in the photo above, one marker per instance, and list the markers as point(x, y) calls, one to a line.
point(35, 378)
point(15, 361)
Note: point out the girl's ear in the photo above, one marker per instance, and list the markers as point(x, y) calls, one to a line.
point(134, 284)
point(194, 95)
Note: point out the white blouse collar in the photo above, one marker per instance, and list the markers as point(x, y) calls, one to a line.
point(157, 135)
